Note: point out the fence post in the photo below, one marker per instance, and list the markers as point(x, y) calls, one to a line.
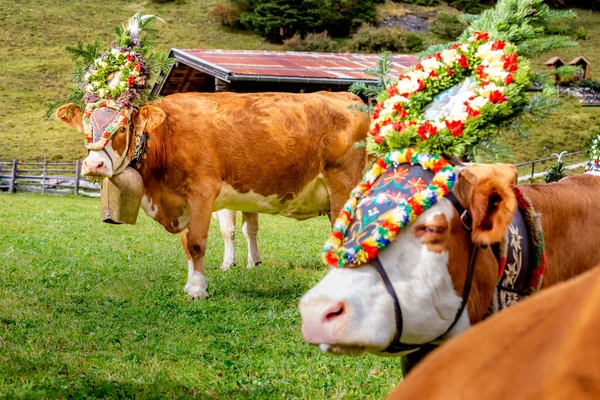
point(77, 173)
point(13, 177)
point(532, 169)
point(44, 176)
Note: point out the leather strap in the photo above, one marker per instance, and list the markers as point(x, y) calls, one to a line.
point(396, 345)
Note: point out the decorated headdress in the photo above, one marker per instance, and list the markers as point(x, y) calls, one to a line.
point(454, 99)
point(111, 83)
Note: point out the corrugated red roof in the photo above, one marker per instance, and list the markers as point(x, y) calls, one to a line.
point(342, 66)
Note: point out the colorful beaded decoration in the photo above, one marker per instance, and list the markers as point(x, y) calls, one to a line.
point(388, 224)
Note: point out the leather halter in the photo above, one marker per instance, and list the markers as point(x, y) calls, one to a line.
point(396, 345)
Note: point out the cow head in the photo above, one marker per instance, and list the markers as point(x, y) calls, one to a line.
point(109, 154)
point(350, 311)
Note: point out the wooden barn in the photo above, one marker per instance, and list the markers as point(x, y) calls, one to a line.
point(269, 71)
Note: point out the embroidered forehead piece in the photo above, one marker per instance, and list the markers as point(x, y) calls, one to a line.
point(399, 187)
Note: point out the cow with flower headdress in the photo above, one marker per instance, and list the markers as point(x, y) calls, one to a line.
point(409, 271)
point(191, 153)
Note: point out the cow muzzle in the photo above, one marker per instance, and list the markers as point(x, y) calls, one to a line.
point(97, 165)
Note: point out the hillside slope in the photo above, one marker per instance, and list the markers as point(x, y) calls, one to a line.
point(35, 69)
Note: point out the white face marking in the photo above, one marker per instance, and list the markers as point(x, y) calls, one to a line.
point(422, 283)
point(149, 208)
point(311, 202)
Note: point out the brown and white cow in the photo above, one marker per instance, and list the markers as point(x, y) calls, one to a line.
point(546, 347)
point(350, 311)
point(275, 153)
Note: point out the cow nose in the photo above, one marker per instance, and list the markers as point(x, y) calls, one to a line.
point(322, 319)
point(92, 167)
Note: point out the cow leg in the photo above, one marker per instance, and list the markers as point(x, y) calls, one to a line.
point(410, 360)
point(250, 229)
point(201, 202)
point(226, 220)
point(190, 262)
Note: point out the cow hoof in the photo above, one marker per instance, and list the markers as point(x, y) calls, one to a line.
point(196, 286)
point(225, 267)
point(253, 264)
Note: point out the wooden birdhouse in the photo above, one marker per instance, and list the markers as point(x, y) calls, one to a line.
point(584, 64)
point(553, 63)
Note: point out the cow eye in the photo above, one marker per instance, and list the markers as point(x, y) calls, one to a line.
point(431, 229)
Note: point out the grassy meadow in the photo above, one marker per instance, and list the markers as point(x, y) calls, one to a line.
point(35, 68)
point(91, 310)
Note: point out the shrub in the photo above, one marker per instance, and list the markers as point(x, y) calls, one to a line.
point(448, 26)
point(420, 2)
point(369, 39)
point(580, 33)
point(312, 42)
point(588, 83)
point(226, 14)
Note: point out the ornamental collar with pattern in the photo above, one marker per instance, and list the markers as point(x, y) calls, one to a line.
point(398, 188)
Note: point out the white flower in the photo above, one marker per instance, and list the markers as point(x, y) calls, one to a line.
point(489, 89)
point(407, 86)
point(115, 52)
point(478, 102)
point(95, 84)
point(386, 129)
point(450, 56)
point(496, 70)
point(89, 88)
point(484, 50)
point(430, 64)
point(101, 93)
point(123, 84)
point(493, 57)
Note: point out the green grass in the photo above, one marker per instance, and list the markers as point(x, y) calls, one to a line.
point(94, 310)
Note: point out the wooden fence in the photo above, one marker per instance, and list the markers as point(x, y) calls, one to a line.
point(65, 177)
point(46, 177)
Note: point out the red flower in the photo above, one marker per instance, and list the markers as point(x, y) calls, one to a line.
point(455, 127)
point(392, 90)
point(375, 130)
point(471, 112)
point(508, 80)
point(483, 36)
point(463, 62)
point(496, 97)
point(129, 58)
point(387, 122)
point(498, 45)
point(379, 139)
point(479, 71)
point(130, 81)
point(510, 62)
point(398, 126)
point(426, 130)
point(419, 67)
point(450, 72)
point(137, 67)
point(438, 56)
point(421, 85)
point(433, 75)
point(455, 46)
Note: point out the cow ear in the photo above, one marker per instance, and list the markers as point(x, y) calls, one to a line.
point(148, 118)
point(491, 200)
point(70, 115)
